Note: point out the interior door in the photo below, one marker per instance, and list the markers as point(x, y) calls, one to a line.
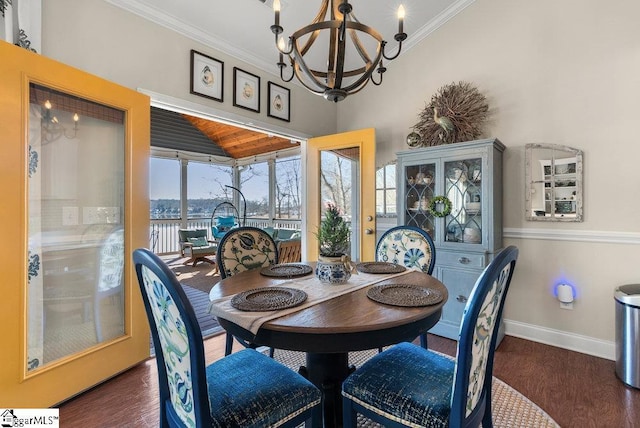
point(341, 171)
point(75, 191)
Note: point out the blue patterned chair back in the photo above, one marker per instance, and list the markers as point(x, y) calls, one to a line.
point(477, 341)
point(178, 344)
point(407, 246)
point(245, 248)
point(111, 262)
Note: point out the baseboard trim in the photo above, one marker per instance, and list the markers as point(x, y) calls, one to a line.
point(561, 339)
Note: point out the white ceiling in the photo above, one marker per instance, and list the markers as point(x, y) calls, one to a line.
point(240, 28)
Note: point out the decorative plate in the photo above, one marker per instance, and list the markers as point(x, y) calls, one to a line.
point(380, 267)
point(286, 270)
point(407, 295)
point(414, 139)
point(268, 299)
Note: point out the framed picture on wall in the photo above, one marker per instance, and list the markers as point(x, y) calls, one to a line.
point(246, 90)
point(207, 76)
point(279, 102)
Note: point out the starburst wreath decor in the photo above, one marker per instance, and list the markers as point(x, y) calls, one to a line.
point(456, 113)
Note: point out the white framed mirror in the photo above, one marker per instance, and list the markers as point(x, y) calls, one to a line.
point(553, 181)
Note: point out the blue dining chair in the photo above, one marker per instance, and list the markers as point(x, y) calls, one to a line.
point(245, 389)
point(411, 247)
point(242, 249)
point(409, 385)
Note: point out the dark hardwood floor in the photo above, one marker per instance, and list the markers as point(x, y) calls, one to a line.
point(575, 389)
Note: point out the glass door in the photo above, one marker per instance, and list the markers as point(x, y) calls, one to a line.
point(76, 225)
point(463, 188)
point(75, 197)
point(420, 191)
point(341, 171)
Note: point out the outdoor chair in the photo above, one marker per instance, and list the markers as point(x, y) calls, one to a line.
point(410, 247)
point(243, 389)
point(194, 244)
point(241, 249)
point(222, 225)
point(407, 385)
point(289, 251)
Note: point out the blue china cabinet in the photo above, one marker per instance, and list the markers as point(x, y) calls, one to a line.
point(454, 192)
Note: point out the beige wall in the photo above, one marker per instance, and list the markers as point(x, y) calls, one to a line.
point(109, 42)
point(554, 72)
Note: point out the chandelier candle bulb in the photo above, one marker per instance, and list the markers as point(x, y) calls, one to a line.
point(276, 9)
point(401, 19)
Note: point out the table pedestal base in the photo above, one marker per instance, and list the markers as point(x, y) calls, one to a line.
point(327, 372)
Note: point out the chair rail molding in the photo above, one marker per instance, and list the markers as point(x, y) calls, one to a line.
point(594, 236)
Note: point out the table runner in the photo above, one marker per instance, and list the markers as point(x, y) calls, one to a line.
point(317, 292)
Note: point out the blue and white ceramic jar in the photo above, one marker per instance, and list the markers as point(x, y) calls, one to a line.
point(334, 270)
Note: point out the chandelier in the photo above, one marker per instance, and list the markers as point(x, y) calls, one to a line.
point(337, 80)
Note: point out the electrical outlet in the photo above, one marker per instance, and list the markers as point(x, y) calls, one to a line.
point(566, 305)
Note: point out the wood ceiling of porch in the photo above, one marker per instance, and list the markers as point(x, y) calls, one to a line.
point(239, 142)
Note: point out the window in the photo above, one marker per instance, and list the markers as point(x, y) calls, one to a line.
point(386, 190)
point(288, 204)
point(254, 184)
point(164, 188)
point(206, 188)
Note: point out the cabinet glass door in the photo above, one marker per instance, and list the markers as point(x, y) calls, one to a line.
point(463, 187)
point(420, 189)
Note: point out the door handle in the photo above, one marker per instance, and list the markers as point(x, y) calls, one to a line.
point(368, 231)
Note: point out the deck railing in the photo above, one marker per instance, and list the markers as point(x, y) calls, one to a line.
point(163, 234)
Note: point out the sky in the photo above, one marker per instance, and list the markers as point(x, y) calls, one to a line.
point(205, 180)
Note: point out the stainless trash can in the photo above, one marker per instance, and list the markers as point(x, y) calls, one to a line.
point(628, 334)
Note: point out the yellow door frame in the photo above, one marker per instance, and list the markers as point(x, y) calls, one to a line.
point(60, 380)
point(365, 140)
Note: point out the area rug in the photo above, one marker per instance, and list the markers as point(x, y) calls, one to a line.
point(200, 301)
point(202, 276)
point(510, 408)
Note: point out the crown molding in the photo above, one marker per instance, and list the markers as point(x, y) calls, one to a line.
point(149, 13)
point(438, 21)
point(180, 27)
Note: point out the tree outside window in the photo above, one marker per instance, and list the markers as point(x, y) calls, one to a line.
point(206, 188)
point(254, 184)
point(288, 198)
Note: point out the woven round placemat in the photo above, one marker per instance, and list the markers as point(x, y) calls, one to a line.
point(379, 267)
point(286, 270)
point(268, 299)
point(408, 295)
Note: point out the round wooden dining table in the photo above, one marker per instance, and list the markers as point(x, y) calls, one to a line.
point(329, 330)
